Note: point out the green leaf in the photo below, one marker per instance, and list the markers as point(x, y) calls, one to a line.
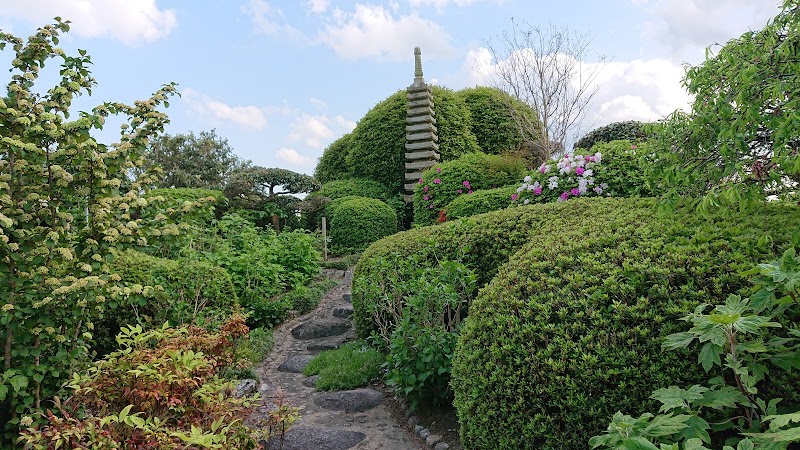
point(678, 340)
point(666, 425)
point(674, 397)
point(709, 356)
point(723, 397)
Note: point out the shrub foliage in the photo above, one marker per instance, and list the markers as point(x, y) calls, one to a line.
point(479, 202)
point(356, 222)
point(495, 128)
point(629, 130)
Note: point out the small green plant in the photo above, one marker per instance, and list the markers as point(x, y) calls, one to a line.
point(249, 353)
point(744, 338)
point(351, 366)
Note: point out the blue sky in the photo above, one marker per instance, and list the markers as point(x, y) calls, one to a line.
point(283, 79)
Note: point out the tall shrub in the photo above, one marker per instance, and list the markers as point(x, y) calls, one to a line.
point(62, 213)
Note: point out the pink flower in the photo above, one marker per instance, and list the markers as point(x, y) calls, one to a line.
point(575, 191)
point(437, 181)
point(426, 197)
point(542, 168)
point(633, 147)
point(469, 191)
point(459, 191)
point(431, 206)
point(538, 190)
point(466, 183)
point(425, 189)
point(564, 195)
point(514, 197)
point(420, 180)
point(579, 170)
point(438, 170)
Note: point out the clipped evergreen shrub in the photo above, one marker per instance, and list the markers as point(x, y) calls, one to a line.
point(493, 124)
point(356, 222)
point(630, 130)
point(377, 146)
point(570, 329)
point(480, 202)
point(444, 182)
point(332, 164)
point(353, 186)
point(179, 292)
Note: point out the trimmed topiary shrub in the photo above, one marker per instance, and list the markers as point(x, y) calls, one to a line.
point(377, 147)
point(356, 222)
point(630, 130)
point(570, 330)
point(353, 186)
point(479, 202)
point(495, 129)
point(332, 164)
point(176, 291)
point(442, 183)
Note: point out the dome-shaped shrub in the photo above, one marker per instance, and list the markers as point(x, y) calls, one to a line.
point(495, 128)
point(630, 130)
point(442, 183)
point(356, 222)
point(480, 202)
point(332, 164)
point(570, 329)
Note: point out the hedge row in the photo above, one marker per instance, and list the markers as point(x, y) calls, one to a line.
point(570, 330)
point(479, 202)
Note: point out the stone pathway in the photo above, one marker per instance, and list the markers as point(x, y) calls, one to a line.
point(357, 419)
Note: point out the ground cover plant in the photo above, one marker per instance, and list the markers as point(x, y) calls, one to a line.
point(351, 366)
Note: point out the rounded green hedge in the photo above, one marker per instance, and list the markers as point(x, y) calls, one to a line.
point(356, 222)
point(443, 183)
point(492, 123)
point(376, 148)
point(630, 130)
point(570, 329)
point(353, 187)
point(332, 164)
point(479, 202)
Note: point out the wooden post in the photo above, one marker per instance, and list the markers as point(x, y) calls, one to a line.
point(324, 239)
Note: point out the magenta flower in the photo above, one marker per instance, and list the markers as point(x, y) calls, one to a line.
point(437, 181)
point(537, 190)
point(579, 170)
point(459, 191)
point(469, 191)
point(426, 197)
point(431, 206)
point(420, 180)
point(633, 147)
point(564, 195)
point(438, 170)
point(543, 168)
point(425, 189)
point(514, 197)
point(466, 183)
point(575, 191)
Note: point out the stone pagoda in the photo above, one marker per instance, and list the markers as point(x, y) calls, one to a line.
point(422, 150)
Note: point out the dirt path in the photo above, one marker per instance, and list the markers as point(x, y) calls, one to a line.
point(359, 419)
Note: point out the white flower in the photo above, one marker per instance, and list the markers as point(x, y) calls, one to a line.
point(553, 183)
point(598, 157)
point(520, 189)
point(527, 179)
point(526, 201)
point(583, 184)
point(588, 173)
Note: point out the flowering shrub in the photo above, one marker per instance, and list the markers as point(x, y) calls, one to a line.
point(572, 175)
point(443, 183)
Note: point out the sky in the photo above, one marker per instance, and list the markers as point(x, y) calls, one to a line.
point(281, 79)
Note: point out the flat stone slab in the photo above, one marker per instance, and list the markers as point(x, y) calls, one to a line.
point(311, 381)
point(245, 388)
point(320, 328)
point(343, 312)
point(306, 437)
point(321, 346)
point(357, 400)
point(295, 364)
point(348, 297)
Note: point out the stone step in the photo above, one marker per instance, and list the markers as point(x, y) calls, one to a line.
point(305, 437)
point(356, 400)
point(343, 312)
point(321, 346)
point(295, 364)
point(320, 328)
point(348, 297)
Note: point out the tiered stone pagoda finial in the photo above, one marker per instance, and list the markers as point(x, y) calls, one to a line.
point(421, 138)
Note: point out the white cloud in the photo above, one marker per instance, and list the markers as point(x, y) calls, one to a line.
point(270, 20)
point(318, 6)
point(252, 117)
point(291, 157)
point(371, 31)
point(645, 90)
point(318, 103)
point(687, 27)
point(318, 131)
point(130, 21)
point(442, 4)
